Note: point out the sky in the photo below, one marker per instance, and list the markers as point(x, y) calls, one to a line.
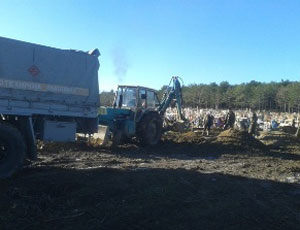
point(146, 42)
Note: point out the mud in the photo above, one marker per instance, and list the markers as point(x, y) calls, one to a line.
point(228, 180)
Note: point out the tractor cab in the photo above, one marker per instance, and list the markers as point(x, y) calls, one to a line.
point(134, 113)
point(136, 98)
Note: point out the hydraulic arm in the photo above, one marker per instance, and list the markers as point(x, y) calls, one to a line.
point(173, 92)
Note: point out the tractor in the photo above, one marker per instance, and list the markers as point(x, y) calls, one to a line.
point(137, 112)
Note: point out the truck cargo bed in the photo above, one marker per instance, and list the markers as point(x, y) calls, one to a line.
point(36, 79)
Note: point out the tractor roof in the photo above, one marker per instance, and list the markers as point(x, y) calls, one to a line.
point(137, 86)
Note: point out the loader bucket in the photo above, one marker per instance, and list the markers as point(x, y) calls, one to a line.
point(102, 137)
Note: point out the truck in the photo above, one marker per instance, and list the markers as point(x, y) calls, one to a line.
point(46, 94)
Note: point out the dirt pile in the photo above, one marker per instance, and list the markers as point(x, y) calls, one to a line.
point(278, 139)
point(188, 137)
point(238, 140)
point(222, 140)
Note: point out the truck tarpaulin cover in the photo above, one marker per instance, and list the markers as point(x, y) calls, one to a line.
point(48, 75)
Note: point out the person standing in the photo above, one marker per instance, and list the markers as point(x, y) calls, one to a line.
point(252, 129)
point(208, 122)
point(230, 119)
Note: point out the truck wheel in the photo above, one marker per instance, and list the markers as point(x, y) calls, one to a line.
point(150, 129)
point(12, 150)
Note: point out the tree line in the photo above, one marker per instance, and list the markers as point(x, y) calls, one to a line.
point(274, 96)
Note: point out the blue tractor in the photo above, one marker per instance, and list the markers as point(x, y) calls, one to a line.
point(137, 112)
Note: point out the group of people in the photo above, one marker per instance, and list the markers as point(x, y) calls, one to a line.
point(209, 120)
point(206, 119)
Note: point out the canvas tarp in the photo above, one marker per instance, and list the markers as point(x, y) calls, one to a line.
point(38, 73)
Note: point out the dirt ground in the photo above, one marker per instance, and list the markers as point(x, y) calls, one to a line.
point(228, 180)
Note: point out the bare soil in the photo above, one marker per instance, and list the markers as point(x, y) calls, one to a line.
point(228, 180)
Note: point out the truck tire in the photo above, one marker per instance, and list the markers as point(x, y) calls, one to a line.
point(12, 150)
point(150, 129)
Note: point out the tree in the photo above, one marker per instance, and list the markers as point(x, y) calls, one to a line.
point(106, 98)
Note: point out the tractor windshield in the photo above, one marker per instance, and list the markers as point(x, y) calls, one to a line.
point(126, 97)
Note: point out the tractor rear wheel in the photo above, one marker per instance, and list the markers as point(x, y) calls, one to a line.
point(150, 129)
point(12, 150)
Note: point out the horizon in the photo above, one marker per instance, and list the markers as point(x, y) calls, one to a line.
point(191, 84)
